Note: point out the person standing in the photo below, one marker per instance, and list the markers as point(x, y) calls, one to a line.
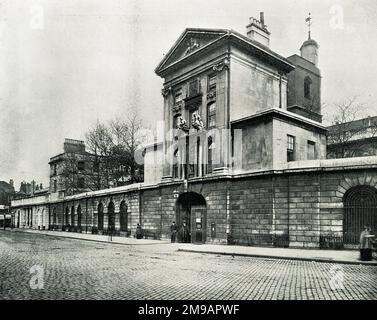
point(366, 244)
point(184, 233)
point(139, 232)
point(173, 230)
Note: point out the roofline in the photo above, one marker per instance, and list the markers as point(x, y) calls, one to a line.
point(284, 113)
point(226, 33)
point(179, 40)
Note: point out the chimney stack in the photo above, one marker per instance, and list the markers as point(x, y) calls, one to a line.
point(262, 18)
point(256, 30)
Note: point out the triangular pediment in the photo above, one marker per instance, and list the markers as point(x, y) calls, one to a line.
point(189, 42)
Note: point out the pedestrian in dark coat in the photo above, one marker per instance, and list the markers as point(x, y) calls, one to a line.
point(184, 233)
point(366, 244)
point(173, 230)
point(139, 232)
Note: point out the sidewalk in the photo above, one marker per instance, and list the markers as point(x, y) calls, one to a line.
point(334, 256)
point(92, 237)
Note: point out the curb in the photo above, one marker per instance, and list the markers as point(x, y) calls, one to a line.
point(93, 240)
point(364, 263)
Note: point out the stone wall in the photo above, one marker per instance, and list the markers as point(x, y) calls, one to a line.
point(248, 209)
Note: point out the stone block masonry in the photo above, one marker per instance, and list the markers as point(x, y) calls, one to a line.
point(248, 209)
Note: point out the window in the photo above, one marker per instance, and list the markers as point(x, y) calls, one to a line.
point(290, 148)
point(176, 121)
point(54, 169)
point(55, 186)
point(81, 165)
point(212, 82)
point(307, 85)
point(194, 88)
point(211, 115)
point(311, 150)
point(175, 164)
point(210, 155)
point(80, 182)
point(178, 95)
point(96, 165)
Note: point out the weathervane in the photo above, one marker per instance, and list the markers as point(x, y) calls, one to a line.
point(308, 21)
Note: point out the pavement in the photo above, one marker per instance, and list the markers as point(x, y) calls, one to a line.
point(334, 256)
point(48, 267)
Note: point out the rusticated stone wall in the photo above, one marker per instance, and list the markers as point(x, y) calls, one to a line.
point(301, 205)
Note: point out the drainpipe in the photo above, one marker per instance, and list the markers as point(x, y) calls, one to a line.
point(280, 98)
point(140, 211)
point(288, 203)
point(86, 215)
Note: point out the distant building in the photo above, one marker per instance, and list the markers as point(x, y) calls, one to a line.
point(29, 189)
point(353, 139)
point(6, 192)
point(73, 171)
point(6, 196)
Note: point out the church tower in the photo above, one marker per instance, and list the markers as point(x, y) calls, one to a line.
point(304, 82)
point(309, 49)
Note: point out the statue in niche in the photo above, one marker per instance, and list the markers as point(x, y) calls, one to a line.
point(181, 124)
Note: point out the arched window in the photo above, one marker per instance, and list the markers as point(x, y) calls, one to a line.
point(210, 155)
point(176, 120)
point(307, 85)
point(175, 164)
point(211, 115)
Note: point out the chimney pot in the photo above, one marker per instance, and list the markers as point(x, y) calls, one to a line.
point(256, 30)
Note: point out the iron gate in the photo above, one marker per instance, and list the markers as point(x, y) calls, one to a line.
point(360, 209)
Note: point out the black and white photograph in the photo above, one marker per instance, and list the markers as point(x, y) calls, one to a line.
point(203, 153)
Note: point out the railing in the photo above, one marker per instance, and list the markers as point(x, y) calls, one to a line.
point(331, 242)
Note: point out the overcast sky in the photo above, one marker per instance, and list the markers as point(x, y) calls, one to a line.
point(64, 64)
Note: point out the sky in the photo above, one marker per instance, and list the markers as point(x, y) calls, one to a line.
point(65, 64)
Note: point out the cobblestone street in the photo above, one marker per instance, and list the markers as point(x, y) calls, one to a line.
point(78, 269)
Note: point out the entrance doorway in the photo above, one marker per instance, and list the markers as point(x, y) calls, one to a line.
point(191, 210)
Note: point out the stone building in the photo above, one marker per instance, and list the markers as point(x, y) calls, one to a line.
point(356, 138)
point(7, 194)
point(74, 170)
point(243, 159)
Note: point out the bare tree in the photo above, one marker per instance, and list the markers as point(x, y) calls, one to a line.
point(69, 173)
point(343, 131)
point(115, 145)
point(100, 143)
